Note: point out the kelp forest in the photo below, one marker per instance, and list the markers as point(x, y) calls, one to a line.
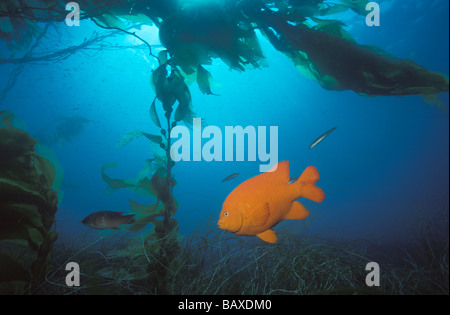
point(158, 259)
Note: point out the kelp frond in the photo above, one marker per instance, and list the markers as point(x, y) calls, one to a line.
point(195, 35)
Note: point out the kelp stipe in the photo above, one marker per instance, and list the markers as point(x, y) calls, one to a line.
point(27, 211)
point(156, 180)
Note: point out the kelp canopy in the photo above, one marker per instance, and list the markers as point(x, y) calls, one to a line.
point(195, 32)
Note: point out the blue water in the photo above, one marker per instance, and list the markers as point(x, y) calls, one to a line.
point(387, 162)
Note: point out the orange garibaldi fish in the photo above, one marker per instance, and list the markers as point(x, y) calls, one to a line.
point(258, 204)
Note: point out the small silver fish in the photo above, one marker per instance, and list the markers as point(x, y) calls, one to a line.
point(230, 177)
point(102, 220)
point(320, 139)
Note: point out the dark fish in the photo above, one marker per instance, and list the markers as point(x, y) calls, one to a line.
point(107, 220)
point(230, 177)
point(320, 139)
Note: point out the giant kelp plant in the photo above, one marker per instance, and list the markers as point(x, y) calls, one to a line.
point(193, 33)
point(28, 204)
point(162, 243)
